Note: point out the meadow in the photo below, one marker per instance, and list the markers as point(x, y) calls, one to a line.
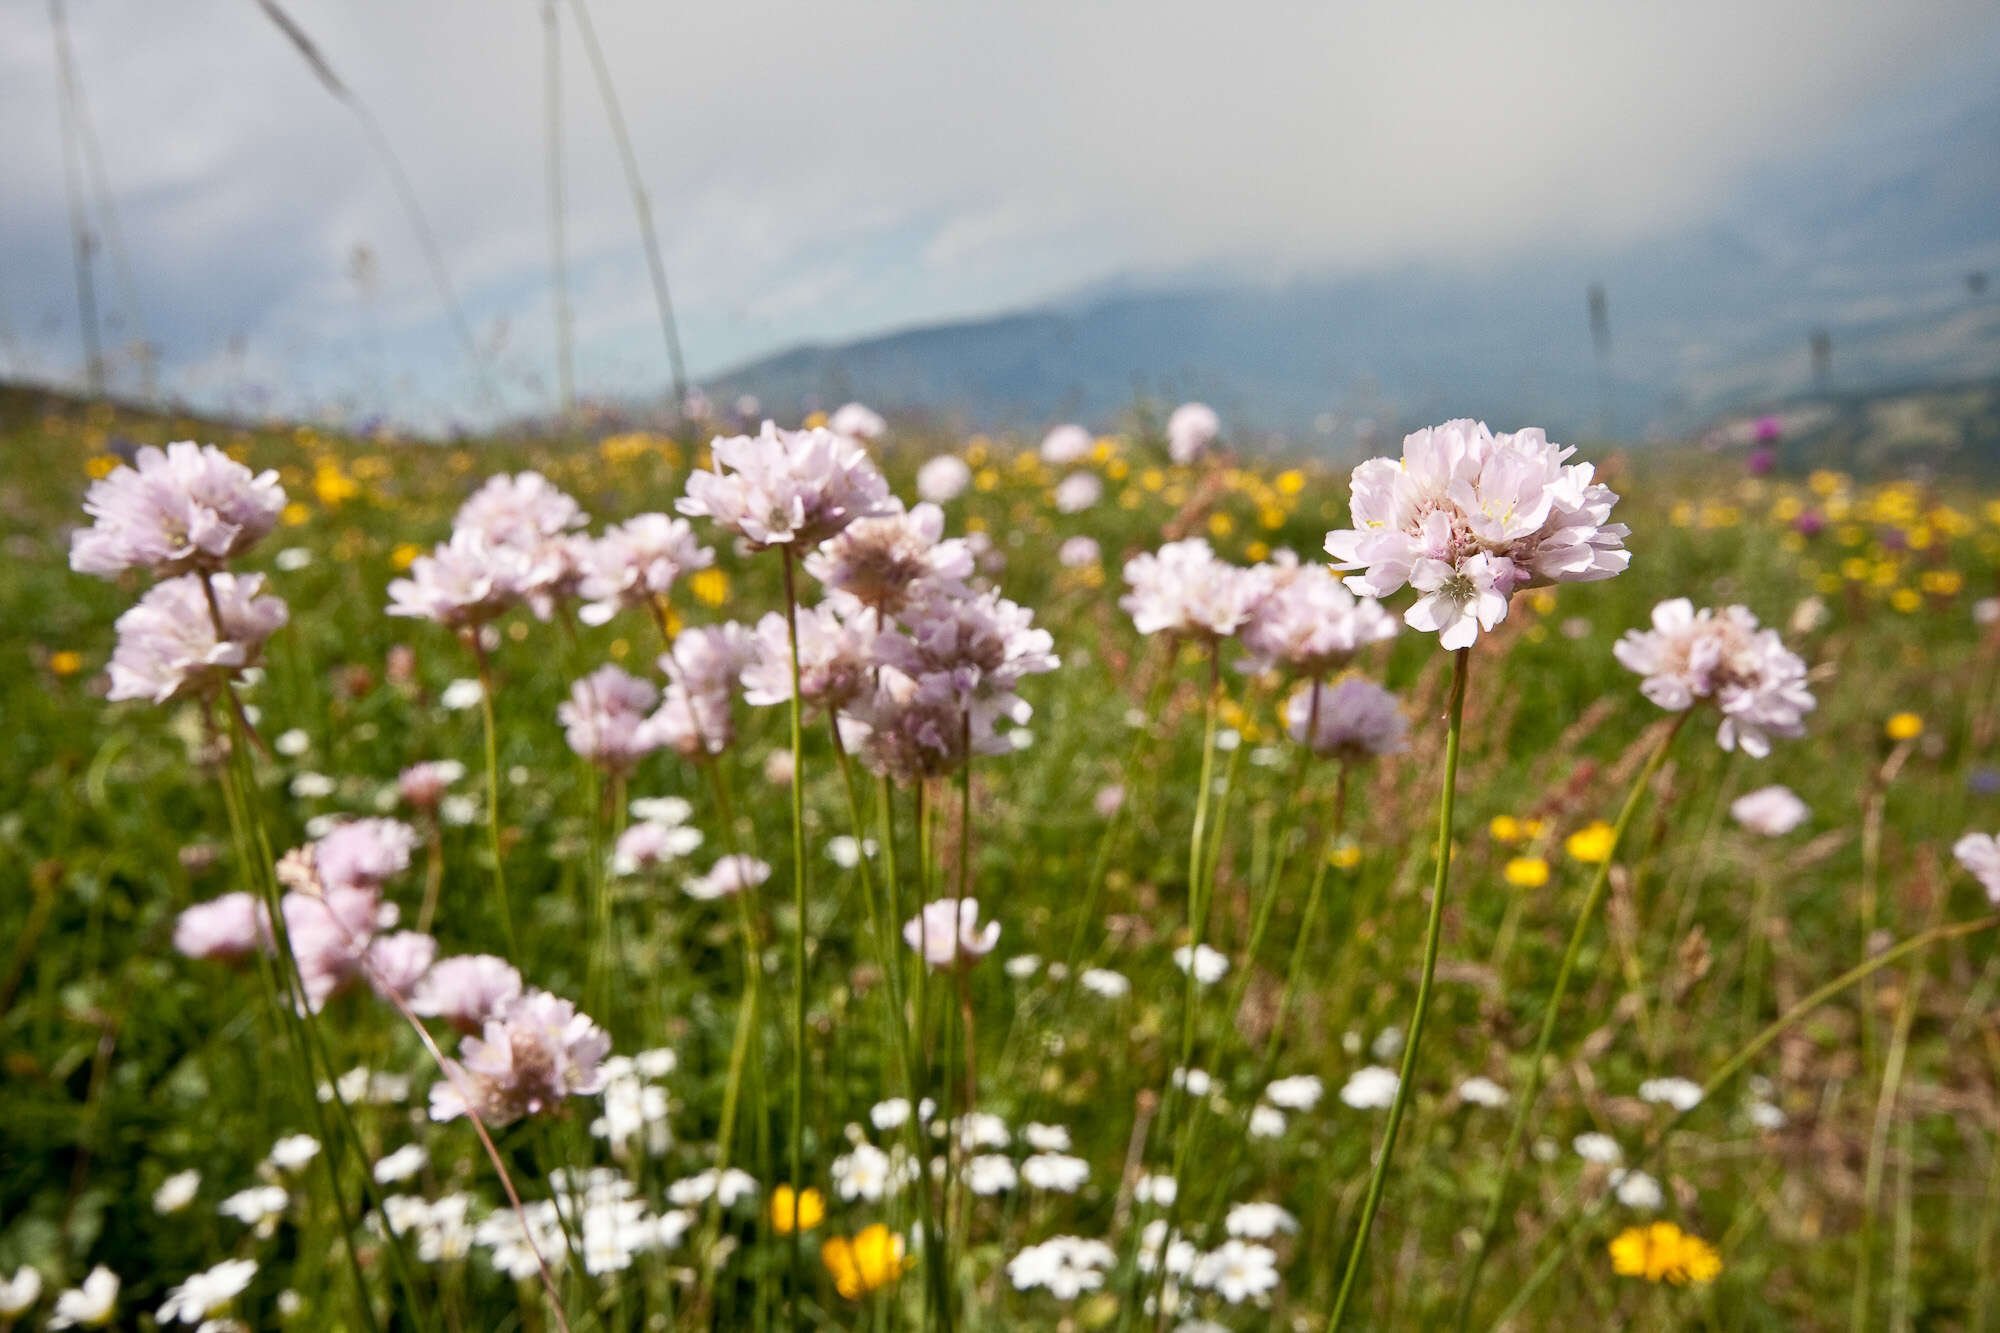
point(1154, 1096)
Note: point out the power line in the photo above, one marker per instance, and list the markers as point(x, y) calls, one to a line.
point(379, 139)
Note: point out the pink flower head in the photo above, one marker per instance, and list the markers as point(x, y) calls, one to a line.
point(652, 842)
point(1721, 657)
point(1078, 552)
point(786, 487)
point(1077, 492)
point(329, 932)
point(1183, 589)
point(523, 511)
point(1771, 811)
point(911, 727)
point(947, 933)
point(983, 642)
point(857, 421)
point(230, 927)
point(466, 990)
point(836, 657)
point(883, 562)
point(396, 964)
point(364, 853)
point(188, 507)
point(1190, 431)
point(423, 785)
point(533, 1052)
point(703, 672)
point(1066, 445)
point(1353, 718)
point(168, 645)
point(1304, 619)
point(636, 562)
point(1979, 853)
point(943, 479)
point(729, 876)
point(468, 581)
point(605, 718)
point(1467, 518)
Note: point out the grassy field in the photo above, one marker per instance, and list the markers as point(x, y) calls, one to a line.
point(1860, 1139)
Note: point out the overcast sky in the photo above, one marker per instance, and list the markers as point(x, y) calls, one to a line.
point(820, 170)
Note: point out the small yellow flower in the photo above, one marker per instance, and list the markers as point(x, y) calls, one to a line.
point(1291, 482)
point(1663, 1252)
point(100, 466)
point(986, 479)
point(1590, 843)
point(1257, 551)
point(66, 662)
point(1906, 600)
point(810, 1206)
point(1903, 727)
point(1345, 856)
point(1506, 828)
point(333, 486)
point(405, 554)
point(709, 586)
point(1527, 872)
point(814, 421)
point(296, 515)
point(1221, 525)
point(871, 1260)
point(620, 649)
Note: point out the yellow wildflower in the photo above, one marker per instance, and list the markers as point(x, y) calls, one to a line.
point(66, 662)
point(1527, 872)
point(1663, 1252)
point(807, 1208)
point(1291, 482)
point(405, 554)
point(1590, 843)
point(814, 421)
point(1903, 727)
point(872, 1259)
point(710, 587)
point(1345, 855)
point(100, 466)
point(1906, 600)
point(1506, 828)
point(296, 515)
point(1221, 525)
point(333, 486)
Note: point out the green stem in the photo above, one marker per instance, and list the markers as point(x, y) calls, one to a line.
point(1432, 931)
point(493, 793)
point(798, 1137)
point(1551, 1010)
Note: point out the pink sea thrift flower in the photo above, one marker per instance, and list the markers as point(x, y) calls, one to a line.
point(786, 488)
point(1304, 619)
point(1979, 853)
point(468, 581)
point(729, 876)
point(395, 964)
point(943, 479)
point(1077, 492)
point(226, 928)
point(1721, 657)
point(1353, 719)
point(857, 421)
point(1771, 811)
point(1184, 589)
point(535, 1051)
point(423, 785)
point(703, 671)
point(187, 507)
point(882, 562)
point(635, 563)
point(604, 719)
point(1468, 518)
point(1067, 444)
point(1191, 429)
point(466, 989)
point(836, 657)
point(910, 727)
point(168, 647)
point(983, 642)
point(364, 853)
point(947, 933)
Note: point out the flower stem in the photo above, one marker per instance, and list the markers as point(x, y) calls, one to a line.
point(1551, 1009)
point(798, 1138)
point(1446, 799)
point(493, 793)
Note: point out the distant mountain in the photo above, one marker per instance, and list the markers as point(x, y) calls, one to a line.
point(1872, 243)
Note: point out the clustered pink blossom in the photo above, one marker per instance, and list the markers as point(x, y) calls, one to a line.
point(786, 487)
point(466, 989)
point(1183, 589)
point(532, 1052)
point(364, 853)
point(1066, 444)
point(943, 479)
point(1303, 619)
point(1467, 518)
point(1351, 719)
point(1721, 657)
point(169, 646)
point(837, 657)
point(857, 421)
point(1771, 811)
point(605, 719)
point(703, 669)
point(1190, 431)
point(1979, 853)
point(513, 541)
point(879, 562)
point(224, 929)
point(947, 933)
point(424, 784)
point(635, 563)
point(186, 508)
point(729, 876)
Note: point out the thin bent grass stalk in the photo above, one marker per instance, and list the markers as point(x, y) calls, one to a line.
point(1432, 931)
point(500, 897)
point(1885, 1109)
point(1728, 1070)
point(1551, 1012)
point(798, 1127)
point(1989, 1229)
